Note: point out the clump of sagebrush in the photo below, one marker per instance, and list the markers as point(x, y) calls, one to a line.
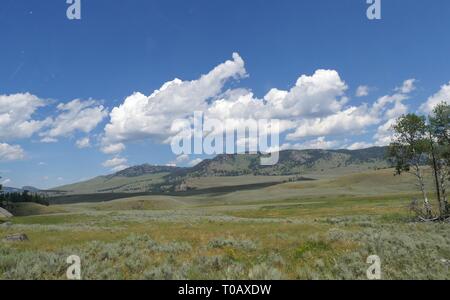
point(30, 265)
point(264, 272)
point(335, 235)
point(275, 259)
point(166, 271)
point(408, 251)
point(211, 263)
point(174, 247)
point(234, 271)
point(226, 268)
point(233, 243)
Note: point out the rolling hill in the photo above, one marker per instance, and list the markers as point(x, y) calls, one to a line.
point(132, 180)
point(292, 164)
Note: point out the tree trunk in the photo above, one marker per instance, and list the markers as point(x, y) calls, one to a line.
point(436, 170)
point(443, 183)
point(426, 203)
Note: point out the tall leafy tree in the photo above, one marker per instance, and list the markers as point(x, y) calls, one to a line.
point(408, 151)
point(440, 130)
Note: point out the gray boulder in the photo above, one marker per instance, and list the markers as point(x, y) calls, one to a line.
point(21, 237)
point(4, 213)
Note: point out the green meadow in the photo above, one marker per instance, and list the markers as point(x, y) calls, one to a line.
point(323, 229)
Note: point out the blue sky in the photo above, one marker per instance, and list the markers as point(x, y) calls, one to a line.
point(400, 62)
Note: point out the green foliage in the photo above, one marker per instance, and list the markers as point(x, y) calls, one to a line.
point(410, 143)
point(440, 123)
point(440, 130)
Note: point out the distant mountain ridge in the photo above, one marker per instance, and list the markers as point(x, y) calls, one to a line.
point(150, 178)
point(291, 162)
point(144, 170)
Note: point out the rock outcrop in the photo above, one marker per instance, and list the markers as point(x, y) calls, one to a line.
point(4, 213)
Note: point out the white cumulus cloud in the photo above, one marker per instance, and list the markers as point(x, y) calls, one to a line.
point(83, 143)
point(76, 115)
point(443, 95)
point(142, 116)
point(407, 87)
point(351, 120)
point(16, 116)
point(359, 145)
point(315, 107)
point(318, 143)
point(114, 162)
point(156, 116)
point(391, 107)
point(113, 148)
point(317, 95)
point(362, 91)
point(11, 152)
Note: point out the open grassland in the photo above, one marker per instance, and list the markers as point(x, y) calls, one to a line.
point(323, 229)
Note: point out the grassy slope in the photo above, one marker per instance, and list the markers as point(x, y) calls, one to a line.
point(27, 209)
point(226, 181)
point(115, 184)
